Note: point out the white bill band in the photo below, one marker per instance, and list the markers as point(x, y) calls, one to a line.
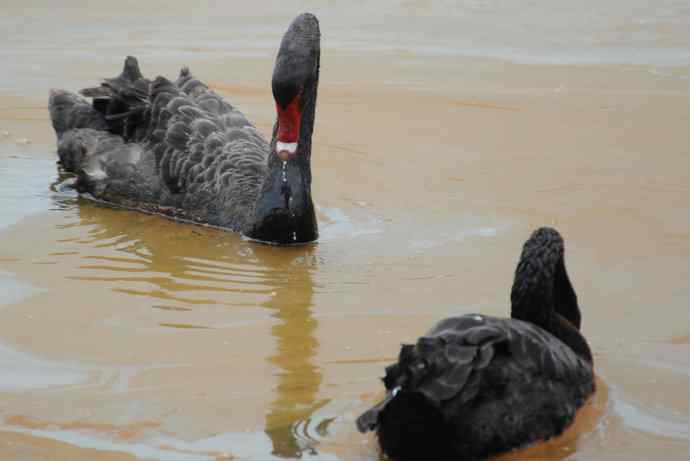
point(290, 147)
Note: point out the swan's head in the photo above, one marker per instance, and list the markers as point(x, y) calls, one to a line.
point(295, 80)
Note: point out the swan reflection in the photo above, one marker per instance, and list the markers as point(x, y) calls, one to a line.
point(182, 268)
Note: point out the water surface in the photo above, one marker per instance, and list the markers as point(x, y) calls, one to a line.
point(445, 133)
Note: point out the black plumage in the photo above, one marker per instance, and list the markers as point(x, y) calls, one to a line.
point(476, 385)
point(177, 148)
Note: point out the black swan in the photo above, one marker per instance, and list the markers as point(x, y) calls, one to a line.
point(178, 149)
point(477, 385)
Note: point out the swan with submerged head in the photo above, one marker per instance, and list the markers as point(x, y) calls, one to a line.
point(177, 148)
point(477, 385)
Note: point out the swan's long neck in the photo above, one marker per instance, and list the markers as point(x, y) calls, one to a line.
point(284, 211)
point(542, 293)
point(564, 330)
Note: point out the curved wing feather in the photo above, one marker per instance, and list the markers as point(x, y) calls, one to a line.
point(199, 144)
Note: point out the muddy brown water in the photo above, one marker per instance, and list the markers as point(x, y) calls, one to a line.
point(446, 132)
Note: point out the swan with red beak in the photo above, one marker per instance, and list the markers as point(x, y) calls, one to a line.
point(177, 148)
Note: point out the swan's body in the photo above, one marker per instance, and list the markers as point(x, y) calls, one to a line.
point(477, 385)
point(177, 148)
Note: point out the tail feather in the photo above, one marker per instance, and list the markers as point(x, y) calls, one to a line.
point(96, 92)
point(443, 369)
point(129, 75)
point(124, 101)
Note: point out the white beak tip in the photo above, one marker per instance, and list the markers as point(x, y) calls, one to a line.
point(289, 147)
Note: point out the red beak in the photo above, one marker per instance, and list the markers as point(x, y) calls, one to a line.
point(289, 120)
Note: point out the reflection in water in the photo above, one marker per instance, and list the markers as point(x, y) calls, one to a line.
point(179, 267)
point(299, 378)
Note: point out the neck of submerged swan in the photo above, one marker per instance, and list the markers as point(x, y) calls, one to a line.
point(542, 293)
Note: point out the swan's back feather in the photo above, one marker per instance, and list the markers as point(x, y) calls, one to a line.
point(199, 149)
point(450, 361)
point(207, 143)
point(493, 383)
